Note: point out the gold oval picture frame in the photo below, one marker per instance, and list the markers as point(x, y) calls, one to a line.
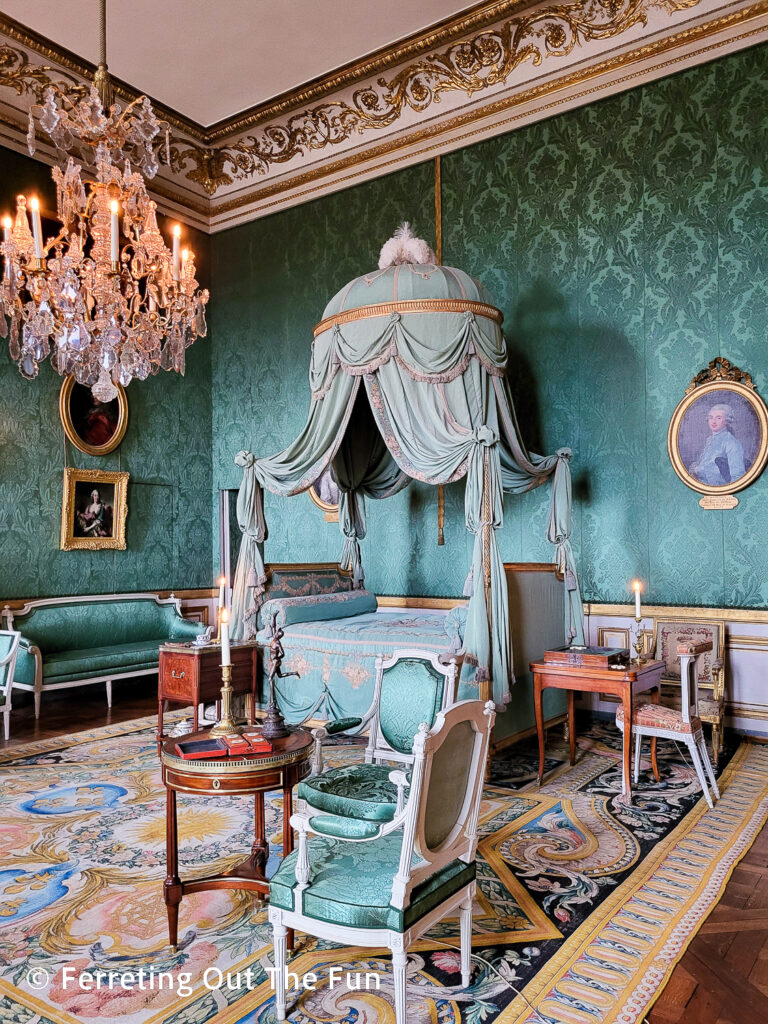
point(93, 427)
point(321, 492)
point(718, 437)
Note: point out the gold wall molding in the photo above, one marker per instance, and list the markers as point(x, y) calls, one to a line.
point(656, 611)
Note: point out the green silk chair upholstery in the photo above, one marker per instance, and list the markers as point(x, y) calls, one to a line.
point(69, 641)
point(389, 889)
point(9, 646)
point(411, 687)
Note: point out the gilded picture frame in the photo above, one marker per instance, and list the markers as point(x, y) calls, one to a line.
point(94, 509)
point(323, 492)
point(718, 435)
point(93, 427)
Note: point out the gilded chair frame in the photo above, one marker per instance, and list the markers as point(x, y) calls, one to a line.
point(460, 843)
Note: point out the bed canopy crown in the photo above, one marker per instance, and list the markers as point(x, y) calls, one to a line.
point(407, 381)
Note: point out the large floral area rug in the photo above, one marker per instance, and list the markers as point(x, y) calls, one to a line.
point(584, 902)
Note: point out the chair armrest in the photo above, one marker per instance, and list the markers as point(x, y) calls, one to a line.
point(301, 823)
point(181, 627)
point(399, 779)
point(323, 732)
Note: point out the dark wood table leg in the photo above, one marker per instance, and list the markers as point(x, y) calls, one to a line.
point(656, 699)
point(197, 716)
point(160, 734)
point(172, 884)
point(571, 726)
point(626, 700)
point(539, 722)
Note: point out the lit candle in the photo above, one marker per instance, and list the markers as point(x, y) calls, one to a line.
point(222, 585)
point(37, 227)
point(176, 235)
point(115, 237)
point(225, 658)
point(7, 225)
point(637, 588)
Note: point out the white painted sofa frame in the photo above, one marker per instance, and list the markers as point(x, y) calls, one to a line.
point(460, 843)
point(37, 687)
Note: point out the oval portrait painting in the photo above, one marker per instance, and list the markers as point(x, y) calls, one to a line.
point(325, 494)
point(94, 427)
point(718, 437)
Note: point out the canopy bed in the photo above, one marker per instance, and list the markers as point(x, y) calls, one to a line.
point(407, 381)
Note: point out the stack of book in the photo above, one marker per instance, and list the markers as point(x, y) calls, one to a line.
point(247, 744)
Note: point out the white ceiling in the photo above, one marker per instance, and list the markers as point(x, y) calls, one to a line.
point(210, 59)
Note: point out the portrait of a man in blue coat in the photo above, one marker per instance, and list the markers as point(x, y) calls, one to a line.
point(721, 460)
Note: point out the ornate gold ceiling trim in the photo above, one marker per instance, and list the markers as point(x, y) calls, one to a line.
point(468, 66)
point(691, 35)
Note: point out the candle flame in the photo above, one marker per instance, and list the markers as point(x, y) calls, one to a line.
point(7, 223)
point(34, 203)
point(225, 614)
point(176, 229)
point(185, 255)
point(222, 580)
point(114, 207)
point(637, 586)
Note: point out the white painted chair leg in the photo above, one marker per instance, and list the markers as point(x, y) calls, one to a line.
point(638, 750)
point(109, 693)
point(699, 769)
point(708, 765)
point(279, 938)
point(465, 924)
point(7, 723)
point(399, 960)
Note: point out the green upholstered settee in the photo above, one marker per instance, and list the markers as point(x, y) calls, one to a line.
point(70, 641)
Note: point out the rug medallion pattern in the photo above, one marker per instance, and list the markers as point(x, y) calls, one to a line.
point(584, 901)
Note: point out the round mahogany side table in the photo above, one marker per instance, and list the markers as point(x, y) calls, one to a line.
point(280, 768)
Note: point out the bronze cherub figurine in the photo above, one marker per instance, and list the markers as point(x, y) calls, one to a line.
point(273, 726)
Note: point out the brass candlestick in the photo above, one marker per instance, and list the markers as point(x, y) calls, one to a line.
point(226, 724)
point(638, 644)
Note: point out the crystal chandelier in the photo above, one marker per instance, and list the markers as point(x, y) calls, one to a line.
point(105, 298)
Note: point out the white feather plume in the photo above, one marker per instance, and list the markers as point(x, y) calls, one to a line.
point(404, 247)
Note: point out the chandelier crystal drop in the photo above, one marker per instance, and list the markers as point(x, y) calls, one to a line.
point(105, 298)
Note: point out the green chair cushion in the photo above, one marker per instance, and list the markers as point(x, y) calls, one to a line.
point(344, 828)
point(361, 791)
point(341, 725)
point(351, 884)
point(96, 661)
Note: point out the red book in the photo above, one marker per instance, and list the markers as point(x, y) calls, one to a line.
point(193, 750)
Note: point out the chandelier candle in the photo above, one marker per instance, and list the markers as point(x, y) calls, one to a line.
point(115, 234)
point(37, 227)
point(176, 236)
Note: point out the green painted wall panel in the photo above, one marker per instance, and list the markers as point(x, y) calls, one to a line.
point(166, 450)
point(627, 244)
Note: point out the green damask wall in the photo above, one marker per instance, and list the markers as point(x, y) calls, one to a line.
point(627, 244)
point(166, 450)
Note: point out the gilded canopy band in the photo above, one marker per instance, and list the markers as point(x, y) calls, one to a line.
point(410, 306)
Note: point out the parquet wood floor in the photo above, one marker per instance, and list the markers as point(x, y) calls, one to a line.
point(721, 979)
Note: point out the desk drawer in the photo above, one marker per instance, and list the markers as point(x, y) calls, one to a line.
point(178, 675)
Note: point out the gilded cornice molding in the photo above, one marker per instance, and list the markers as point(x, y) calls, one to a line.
point(446, 86)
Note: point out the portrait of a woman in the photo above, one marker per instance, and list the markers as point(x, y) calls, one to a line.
point(93, 516)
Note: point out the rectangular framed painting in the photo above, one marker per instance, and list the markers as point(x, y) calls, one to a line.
point(94, 509)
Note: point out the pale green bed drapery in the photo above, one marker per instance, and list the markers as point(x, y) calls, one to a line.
point(428, 346)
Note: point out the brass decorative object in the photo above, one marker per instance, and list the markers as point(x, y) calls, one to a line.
point(273, 725)
point(718, 435)
point(638, 645)
point(226, 723)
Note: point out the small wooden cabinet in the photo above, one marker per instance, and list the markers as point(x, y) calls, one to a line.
point(192, 675)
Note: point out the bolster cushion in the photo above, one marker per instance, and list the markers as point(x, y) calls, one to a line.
point(284, 611)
